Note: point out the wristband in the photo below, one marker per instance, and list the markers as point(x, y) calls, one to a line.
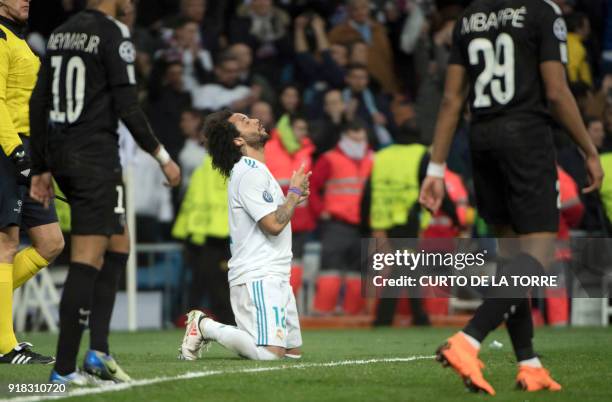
point(436, 169)
point(295, 190)
point(162, 156)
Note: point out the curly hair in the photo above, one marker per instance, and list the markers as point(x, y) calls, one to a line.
point(219, 135)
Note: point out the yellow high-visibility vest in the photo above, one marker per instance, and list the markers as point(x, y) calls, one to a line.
point(606, 185)
point(395, 184)
point(204, 211)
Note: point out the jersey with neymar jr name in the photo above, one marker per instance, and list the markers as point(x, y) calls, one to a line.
point(87, 56)
point(501, 44)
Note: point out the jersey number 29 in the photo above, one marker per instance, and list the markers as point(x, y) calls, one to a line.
point(498, 67)
point(75, 89)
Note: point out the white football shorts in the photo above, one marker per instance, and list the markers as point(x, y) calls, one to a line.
point(266, 309)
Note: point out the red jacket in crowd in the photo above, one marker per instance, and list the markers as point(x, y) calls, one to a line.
point(337, 184)
point(282, 164)
point(570, 212)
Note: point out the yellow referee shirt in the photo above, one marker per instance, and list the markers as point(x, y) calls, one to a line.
point(18, 71)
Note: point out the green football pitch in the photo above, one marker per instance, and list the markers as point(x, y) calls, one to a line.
point(338, 365)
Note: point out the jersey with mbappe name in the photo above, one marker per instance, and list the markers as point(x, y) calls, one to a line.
point(252, 194)
point(501, 44)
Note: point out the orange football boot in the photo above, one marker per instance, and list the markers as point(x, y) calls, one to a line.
point(535, 379)
point(458, 353)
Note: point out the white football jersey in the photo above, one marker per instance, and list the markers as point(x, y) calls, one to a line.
point(252, 194)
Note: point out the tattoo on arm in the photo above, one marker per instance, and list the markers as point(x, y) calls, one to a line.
point(284, 213)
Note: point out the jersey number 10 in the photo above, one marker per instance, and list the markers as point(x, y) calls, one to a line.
point(75, 89)
point(498, 67)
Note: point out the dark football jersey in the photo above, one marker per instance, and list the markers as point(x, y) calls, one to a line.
point(501, 44)
point(86, 57)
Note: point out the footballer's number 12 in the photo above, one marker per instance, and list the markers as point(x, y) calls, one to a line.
point(498, 67)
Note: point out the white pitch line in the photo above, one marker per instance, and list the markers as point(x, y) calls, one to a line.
point(199, 374)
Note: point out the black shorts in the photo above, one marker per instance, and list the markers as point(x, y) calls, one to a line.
point(340, 247)
point(16, 206)
point(515, 177)
point(97, 206)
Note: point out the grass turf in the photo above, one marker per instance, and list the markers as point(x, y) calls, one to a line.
point(580, 359)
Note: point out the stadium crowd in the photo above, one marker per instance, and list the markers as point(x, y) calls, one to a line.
point(337, 84)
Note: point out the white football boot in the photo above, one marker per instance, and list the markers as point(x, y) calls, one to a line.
point(193, 341)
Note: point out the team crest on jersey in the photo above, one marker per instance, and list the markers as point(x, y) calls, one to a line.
point(127, 51)
point(267, 197)
point(560, 29)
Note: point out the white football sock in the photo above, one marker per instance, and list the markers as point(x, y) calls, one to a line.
point(471, 340)
point(236, 340)
point(533, 362)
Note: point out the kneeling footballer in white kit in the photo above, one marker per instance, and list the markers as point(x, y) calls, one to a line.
point(266, 315)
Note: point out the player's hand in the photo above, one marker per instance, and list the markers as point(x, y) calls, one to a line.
point(595, 173)
point(172, 173)
point(41, 189)
point(299, 178)
point(432, 193)
point(23, 165)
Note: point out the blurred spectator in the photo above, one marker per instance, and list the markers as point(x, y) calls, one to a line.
point(414, 26)
point(289, 100)
point(193, 152)
point(262, 111)
point(202, 222)
point(208, 29)
point(368, 105)
point(289, 148)
point(324, 67)
point(571, 161)
point(265, 29)
point(390, 208)
point(596, 131)
point(152, 12)
point(244, 55)
point(431, 60)
point(578, 66)
point(185, 45)
point(584, 97)
point(167, 101)
point(360, 27)
point(325, 132)
point(152, 200)
point(225, 90)
point(337, 186)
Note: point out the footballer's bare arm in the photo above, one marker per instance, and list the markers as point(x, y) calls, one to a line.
point(299, 190)
point(275, 222)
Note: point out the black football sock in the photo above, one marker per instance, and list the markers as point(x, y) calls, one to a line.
point(520, 329)
point(104, 296)
point(501, 302)
point(74, 311)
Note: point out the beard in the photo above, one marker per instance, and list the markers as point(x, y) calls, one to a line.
point(257, 140)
